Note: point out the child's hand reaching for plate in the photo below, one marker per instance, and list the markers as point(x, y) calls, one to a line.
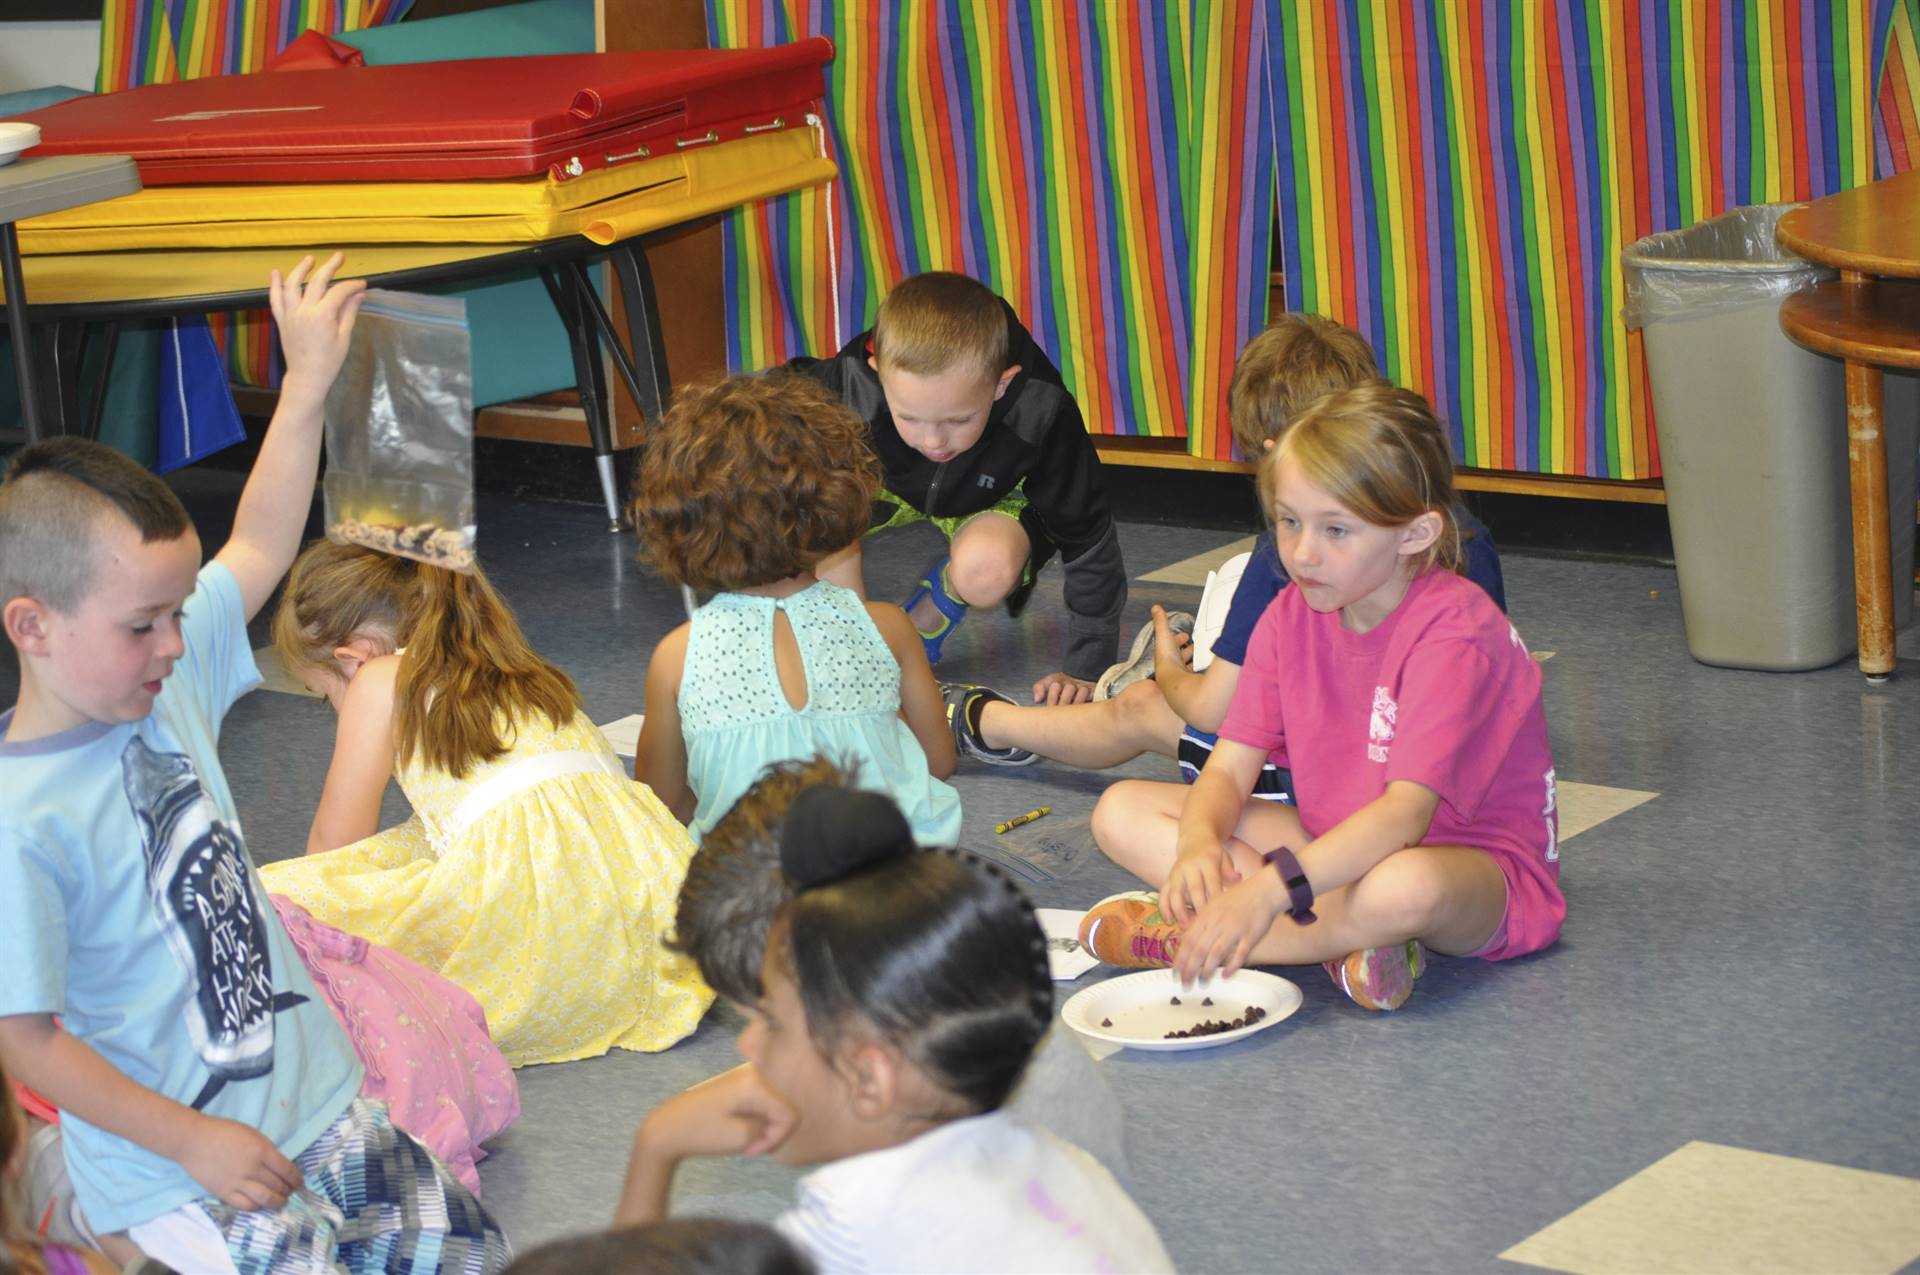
point(1200, 871)
point(1222, 934)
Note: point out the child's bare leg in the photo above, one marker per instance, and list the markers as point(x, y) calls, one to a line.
point(845, 569)
point(1451, 898)
point(984, 564)
point(1093, 735)
point(1137, 824)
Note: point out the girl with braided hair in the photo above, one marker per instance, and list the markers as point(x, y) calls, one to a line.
point(901, 995)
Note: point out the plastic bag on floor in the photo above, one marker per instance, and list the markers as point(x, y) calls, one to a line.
point(1051, 847)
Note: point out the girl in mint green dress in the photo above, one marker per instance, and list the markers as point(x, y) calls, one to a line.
point(742, 489)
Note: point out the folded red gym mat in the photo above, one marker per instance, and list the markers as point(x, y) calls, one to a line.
point(434, 121)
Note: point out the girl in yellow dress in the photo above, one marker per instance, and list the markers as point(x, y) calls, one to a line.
point(534, 872)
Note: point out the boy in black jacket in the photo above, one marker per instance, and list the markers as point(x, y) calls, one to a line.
point(978, 435)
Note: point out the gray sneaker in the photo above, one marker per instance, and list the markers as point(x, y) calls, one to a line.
point(1138, 666)
point(963, 708)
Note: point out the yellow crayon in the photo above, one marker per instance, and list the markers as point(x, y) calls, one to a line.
point(1017, 820)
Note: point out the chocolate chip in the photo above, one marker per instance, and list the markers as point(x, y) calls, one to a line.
point(1213, 1027)
point(1106, 1022)
point(1173, 1000)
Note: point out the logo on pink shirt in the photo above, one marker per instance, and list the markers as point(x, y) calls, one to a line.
point(1380, 724)
point(1550, 810)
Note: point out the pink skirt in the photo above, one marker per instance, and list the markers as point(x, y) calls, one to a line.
point(422, 1040)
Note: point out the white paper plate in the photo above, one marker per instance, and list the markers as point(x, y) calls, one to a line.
point(1066, 959)
point(15, 137)
point(1141, 1011)
point(623, 733)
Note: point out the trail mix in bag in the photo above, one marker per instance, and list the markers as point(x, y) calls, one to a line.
point(400, 432)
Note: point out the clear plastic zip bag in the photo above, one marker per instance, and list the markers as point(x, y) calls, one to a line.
point(400, 432)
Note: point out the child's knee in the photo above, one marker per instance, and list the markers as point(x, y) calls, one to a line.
point(982, 577)
point(1404, 893)
point(1125, 819)
point(1111, 816)
point(1140, 708)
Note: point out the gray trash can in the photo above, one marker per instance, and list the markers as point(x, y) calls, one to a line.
point(1753, 447)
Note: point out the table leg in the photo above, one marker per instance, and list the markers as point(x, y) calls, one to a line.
point(61, 408)
point(594, 400)
point(644, 336)
point(603, 324)
point(23, 368)
point(97, 405)
point(1872, 538)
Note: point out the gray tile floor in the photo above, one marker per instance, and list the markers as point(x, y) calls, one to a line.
point(1736, 965)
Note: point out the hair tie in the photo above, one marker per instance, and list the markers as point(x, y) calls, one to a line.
point(830, 832)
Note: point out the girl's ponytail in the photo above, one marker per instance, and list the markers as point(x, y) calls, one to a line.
point(937, 951)
point(467, 666)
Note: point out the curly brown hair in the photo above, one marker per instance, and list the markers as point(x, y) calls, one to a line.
point(752, 480)
point(1294, 361)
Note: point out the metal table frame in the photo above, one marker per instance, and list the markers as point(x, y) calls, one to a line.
point(51, 342)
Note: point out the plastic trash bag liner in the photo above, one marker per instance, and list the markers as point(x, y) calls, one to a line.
point(1725, 263)
point(400, 432)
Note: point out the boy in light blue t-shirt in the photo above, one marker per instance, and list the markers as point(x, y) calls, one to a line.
point(210, 1099)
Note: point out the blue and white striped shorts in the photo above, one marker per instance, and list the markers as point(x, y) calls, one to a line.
point(1196, 746)
point(376, 1202)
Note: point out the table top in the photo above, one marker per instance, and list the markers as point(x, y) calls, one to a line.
point(1877, 323)
point(158, 284)
point(1874, 228)
point(36, 184)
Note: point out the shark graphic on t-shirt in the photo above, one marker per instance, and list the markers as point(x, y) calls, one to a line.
point(201, 891)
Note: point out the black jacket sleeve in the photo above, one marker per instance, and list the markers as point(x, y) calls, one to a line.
point(1067, 502)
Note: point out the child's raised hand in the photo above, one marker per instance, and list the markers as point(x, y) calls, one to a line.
point(239, 1165)
point(315, 316)
point(1224, 933)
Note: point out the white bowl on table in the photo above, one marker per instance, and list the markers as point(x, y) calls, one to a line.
point(16, 136)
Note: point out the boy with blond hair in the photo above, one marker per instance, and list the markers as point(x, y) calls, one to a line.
point(1169, 708)
point(211, 1105)
point(977, 434)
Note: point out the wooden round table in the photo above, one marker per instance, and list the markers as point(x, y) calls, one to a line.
point(1870, 318)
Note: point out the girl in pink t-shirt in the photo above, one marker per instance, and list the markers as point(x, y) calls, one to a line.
point(1408, 710)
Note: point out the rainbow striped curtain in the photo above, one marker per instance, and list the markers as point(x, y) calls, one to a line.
point(1067, 155)
point(1898, 136)
point(1455, 178)
point(160, 41)
point(1457, 182)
